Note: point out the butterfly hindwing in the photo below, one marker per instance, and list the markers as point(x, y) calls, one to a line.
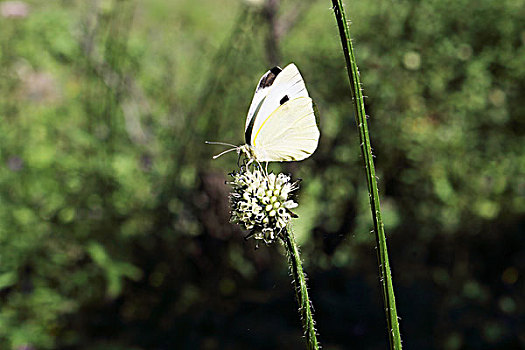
point(289, 133)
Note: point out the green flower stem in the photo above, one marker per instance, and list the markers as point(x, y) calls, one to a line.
point(301, 291)
point(360, 115)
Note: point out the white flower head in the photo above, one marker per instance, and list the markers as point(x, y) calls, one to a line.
point(261, 202)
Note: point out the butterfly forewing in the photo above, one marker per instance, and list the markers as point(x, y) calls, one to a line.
point(287, 86)
point(261, 92)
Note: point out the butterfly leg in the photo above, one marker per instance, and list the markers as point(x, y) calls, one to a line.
point(239, 160)
point(265, 173)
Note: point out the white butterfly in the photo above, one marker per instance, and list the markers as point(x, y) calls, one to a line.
point(280, 125)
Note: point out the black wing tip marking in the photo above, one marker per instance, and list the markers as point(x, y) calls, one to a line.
point(276, 70)
point(284, 100)
point(268, 79)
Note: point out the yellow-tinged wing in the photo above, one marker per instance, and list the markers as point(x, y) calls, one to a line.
point(290, 133)
point(275, 88)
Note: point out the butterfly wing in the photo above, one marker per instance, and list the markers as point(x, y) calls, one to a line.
point(261, 92)
point(287, 85)
point(289, 133)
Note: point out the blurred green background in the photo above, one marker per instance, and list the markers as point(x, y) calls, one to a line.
point(114, 228)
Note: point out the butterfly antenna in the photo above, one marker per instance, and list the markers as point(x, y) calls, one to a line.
point(219, 143)
point(224, 152)
point(234, 147)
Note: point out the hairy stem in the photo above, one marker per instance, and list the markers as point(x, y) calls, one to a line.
point(366, 149)
point(300, 288)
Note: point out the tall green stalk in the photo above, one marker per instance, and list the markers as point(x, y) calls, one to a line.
point(360, 115)
point(301, 291)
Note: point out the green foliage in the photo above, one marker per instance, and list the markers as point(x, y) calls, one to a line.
point(114, 227)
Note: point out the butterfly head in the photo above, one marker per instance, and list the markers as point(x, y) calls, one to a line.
point(248, 151)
